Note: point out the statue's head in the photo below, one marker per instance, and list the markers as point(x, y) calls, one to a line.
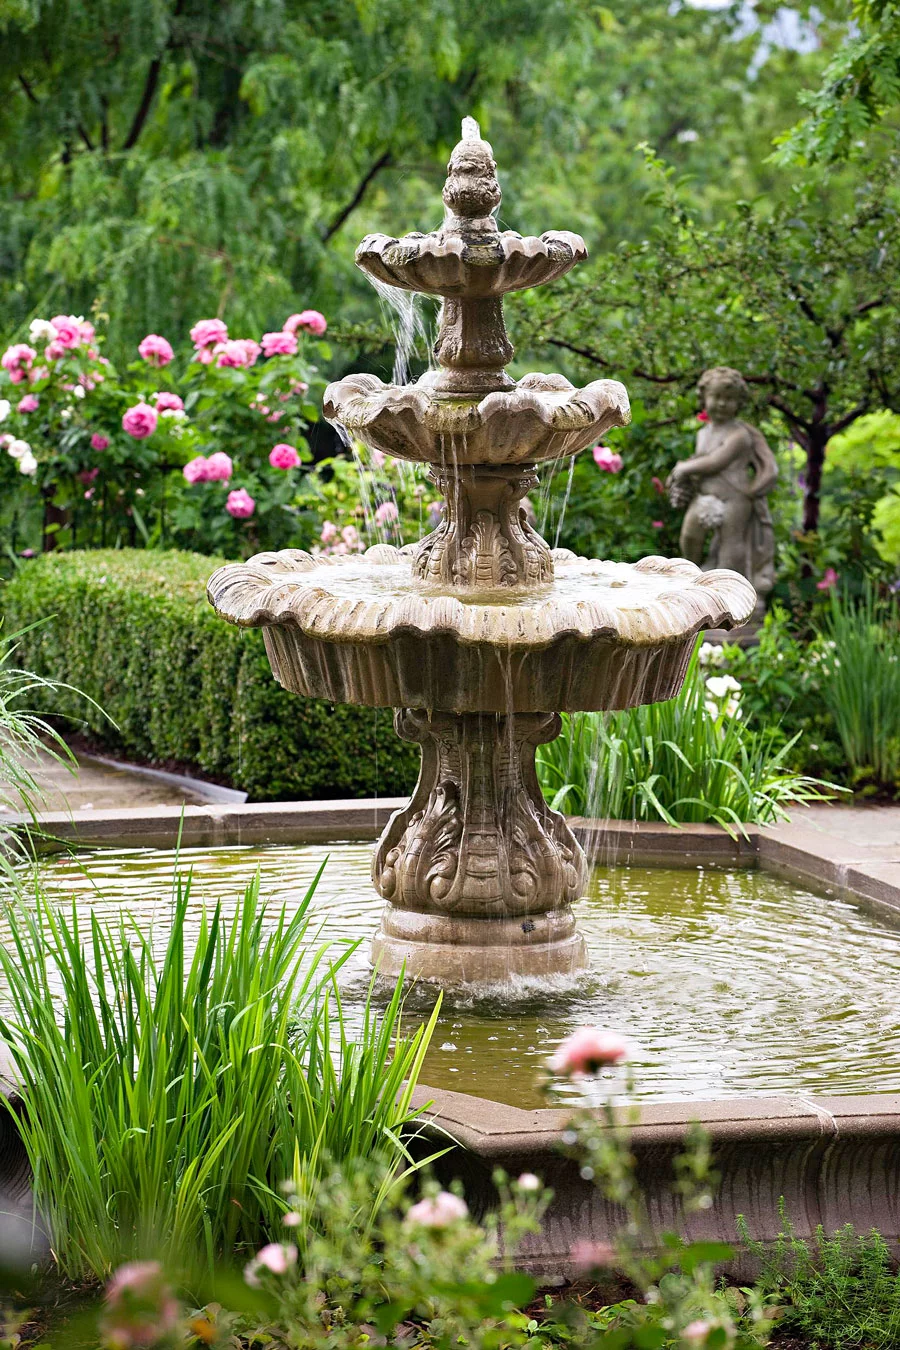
point(723, 392)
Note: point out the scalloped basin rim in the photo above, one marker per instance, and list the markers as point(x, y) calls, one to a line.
point(674, 600)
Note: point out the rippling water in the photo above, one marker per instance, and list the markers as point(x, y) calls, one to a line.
point(728, 983)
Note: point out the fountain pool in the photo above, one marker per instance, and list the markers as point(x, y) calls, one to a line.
point(692, 963)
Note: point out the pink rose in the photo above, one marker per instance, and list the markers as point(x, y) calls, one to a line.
point(140, 421)
point(279, 344)
point(283, 456)
point(350, 536)
point(208, 331)
point(309, 319)
point(219, 467)
point(87, 476)
point(378, 458)
point(156, 350)
point(329, 532)
point(703, 416)
point(140, 1308)
point(27, 404)
point(438, 1211)
point(658, 484)
point(240, 504)
point(829, 579)
point(86, 331)
point(168, 402)
point(695, 1333)
point(607, 459)
point(657, 524)
point(99, 441)
point(17, 360)
point(39, 373)
point(386, 513)
point(587, 1050)
point(236, 352)
point(277, 1257)
point(205, 355)
point(195, 470)
point(68, 330)
point(54, 351)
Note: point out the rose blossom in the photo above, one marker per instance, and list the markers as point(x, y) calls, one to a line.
point(87, 334)
point(829, 579)
point(279, 344)
point(195, 470)
point(607, 459)
point(695, 1333)
point(378, 458)
point(99, 441)
point(54, 351)
point(587, 1050)
point(165, 400)
point(277, 1257)
point(219, 467)
point(87, 476)
point(156, 350)
point(140, 421)
point(329, 532)
point(350, 536)
point(17, 448)
point(5, 409)
point(386, 513)
point(438, 1211)
point(310, 319)
point(657, 524)
point(27, 463)
point(27, 404)
point(67, 329)
point(240, 504)
point(703, 416)
point(236, 352)
point(206, 332)
point(41, 330)
point(38, 373)
point(283, 456)
point(17, 360)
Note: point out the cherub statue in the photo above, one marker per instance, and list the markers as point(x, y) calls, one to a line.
point(724, 487)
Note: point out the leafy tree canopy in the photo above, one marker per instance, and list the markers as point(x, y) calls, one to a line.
point(176, 158)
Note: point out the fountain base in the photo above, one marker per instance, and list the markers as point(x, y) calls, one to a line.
point(449, 951)
point(480, 874)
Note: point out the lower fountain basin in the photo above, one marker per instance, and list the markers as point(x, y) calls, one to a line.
point(361, 630)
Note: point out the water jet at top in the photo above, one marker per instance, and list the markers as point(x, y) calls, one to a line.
point(480, 634)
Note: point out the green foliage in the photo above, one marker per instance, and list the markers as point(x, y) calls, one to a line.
point(164, 1103)
point(836, 1293)
point(133, 629)
point(691, 759)
point(860, 87)
point(184, 157)
point(862, 689)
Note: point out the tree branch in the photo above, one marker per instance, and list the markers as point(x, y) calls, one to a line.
point(29, 92)
point(596, 359)
point(143, 109)
point(381, 163)
point(851, 416)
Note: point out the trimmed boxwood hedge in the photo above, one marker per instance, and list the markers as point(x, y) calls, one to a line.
point(133, 629)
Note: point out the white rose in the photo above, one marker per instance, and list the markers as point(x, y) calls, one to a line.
point(5, 406)
point(28, 463)
point(41, 330)
point(18, 448)
point(78, 391)
point(177, 414)
point(65, 414)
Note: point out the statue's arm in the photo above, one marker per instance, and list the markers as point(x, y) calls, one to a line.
point(719, 458)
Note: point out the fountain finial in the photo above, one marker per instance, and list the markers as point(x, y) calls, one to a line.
point(471, 191)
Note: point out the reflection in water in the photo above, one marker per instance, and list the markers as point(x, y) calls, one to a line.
point(728, 983)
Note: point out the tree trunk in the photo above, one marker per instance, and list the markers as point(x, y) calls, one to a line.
point(53, 516)
point(815, 443)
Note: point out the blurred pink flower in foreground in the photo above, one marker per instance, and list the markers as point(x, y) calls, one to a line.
point(703, 416)
point(329, 532)
point(695, 1333)
point(386, 513)
point(277, 1258)
point(587, 1256)
point(607, 459)
point(156, 350)
point(140, 1308)
point(240, 504)
point(438, 1211)
point(587, 1050)
point(829, 579)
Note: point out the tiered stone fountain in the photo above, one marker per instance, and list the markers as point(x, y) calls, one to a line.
point(480, 634)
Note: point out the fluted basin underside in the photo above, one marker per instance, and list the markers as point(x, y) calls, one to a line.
point(363, 630)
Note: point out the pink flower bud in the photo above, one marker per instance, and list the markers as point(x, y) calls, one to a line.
point(587, 1050)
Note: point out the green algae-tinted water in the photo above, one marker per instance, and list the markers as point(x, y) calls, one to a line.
point(728, 983)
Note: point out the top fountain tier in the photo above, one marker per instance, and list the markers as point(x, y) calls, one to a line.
point(471, 264)
point(468, 258)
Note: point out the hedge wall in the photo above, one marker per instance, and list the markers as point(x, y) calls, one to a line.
point(132, 628)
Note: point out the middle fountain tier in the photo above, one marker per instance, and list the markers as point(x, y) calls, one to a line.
point(480, 634)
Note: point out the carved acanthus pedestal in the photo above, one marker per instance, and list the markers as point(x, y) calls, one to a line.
point(484, 541)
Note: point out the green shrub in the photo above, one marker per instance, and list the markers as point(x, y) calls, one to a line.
point(862, 690)
point(133, 630)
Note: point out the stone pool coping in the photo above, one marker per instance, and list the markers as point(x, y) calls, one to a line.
point(833, 1160)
